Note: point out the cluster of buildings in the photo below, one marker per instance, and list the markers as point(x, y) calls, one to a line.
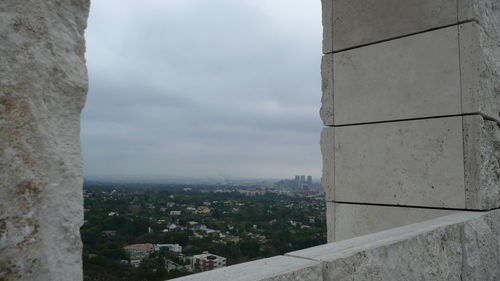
point(198, 263)
point(300, 182)
point(299, 186)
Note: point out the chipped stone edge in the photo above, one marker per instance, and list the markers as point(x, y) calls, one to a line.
point(482, 162)
point(326, 111)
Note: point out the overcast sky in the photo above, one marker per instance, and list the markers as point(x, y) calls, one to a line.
point(203, 88)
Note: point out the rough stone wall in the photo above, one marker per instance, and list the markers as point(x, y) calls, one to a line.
point(43, 84)
point(411, 105)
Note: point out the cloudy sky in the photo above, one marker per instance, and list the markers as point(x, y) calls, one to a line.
point(203, 88)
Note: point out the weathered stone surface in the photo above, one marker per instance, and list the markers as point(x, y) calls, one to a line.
point(346, 221)
point(361, 22)
point(481, 248)
point(413, 77)
point(326, 111)
point(43, 83)
point(328, 153)
point(279, 268)
point(463, 246)
point(413, 163)
point(480, 70)
point(482, 162)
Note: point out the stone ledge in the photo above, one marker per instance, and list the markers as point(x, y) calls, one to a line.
point(279, 268)
point(462, 246)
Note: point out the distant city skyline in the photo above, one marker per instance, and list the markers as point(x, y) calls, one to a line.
point(195, 180)
point(202, 89)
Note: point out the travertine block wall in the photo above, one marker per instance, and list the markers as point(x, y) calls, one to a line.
point(43, 84)
point(411, 103)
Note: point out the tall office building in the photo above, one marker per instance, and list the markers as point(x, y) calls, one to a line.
point(309, 180)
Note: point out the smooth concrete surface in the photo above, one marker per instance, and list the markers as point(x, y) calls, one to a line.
point(412, 77)
point(482, 162)
point(346, 221)
point(328, 152)
point(279, 268)
point(361, 22)
point(413, 163)
point(480, 82)
point(461, 246)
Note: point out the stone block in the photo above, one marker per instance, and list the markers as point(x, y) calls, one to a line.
point(413, 163)
point(479, 72)
point(462, 246)
point(361, 22)
point(482, 162)
point(346, 221)
point(279, 268)
point(451, 162)
point(411, 77)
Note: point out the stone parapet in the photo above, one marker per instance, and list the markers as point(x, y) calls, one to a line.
point(279, 268)
point(461, 246)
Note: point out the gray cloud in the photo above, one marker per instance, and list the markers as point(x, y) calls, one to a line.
point(203, 88)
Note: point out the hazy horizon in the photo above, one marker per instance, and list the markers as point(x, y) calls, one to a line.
point(203, 89)
point(193, 181)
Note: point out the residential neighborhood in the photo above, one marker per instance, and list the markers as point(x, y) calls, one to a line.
point(169, 231)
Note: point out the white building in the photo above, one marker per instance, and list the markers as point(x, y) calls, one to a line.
point(206, 262)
